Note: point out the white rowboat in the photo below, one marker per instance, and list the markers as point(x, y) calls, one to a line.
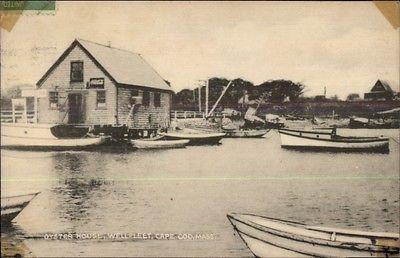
point(199, 138)
point(318, 140)
point(11, 206)
point(245, 133)
point(269, 237)
point(159, 144)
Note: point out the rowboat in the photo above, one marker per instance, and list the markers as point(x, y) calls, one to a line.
point(46, 136)
point(11, 206)
point(245, 133)
point(269, 237)
point(324, 140)
point(195, 138)
point(159, 144)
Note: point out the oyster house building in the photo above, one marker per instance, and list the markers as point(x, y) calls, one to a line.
point(97, 85)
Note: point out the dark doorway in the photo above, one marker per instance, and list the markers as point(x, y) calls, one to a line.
point(75, 108)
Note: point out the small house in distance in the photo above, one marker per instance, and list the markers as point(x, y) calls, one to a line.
point(94, 84)
point(380, 91)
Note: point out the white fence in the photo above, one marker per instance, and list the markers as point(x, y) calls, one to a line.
point(187, 114)
point(192, 114)
point(7, 116)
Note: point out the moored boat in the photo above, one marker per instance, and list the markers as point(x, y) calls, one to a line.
point(270, 237)
point(198, 138)
point(273, 121)
point(159, 144)
point(11, 206)
point(360, 123)
point(274, 125)
point(245, 133)
point(46, 136)
point(330, 141)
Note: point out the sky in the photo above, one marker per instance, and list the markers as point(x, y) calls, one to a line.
point(343, 46)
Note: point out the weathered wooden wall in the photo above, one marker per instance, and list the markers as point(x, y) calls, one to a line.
point(143, 116)
point(60, 77)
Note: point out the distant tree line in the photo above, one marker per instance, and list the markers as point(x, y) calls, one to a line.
point(240, 89)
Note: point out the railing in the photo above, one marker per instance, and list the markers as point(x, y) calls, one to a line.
point(178, 114)
point(7, 116)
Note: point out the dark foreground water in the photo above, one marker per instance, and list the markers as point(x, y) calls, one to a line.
point(188, 192)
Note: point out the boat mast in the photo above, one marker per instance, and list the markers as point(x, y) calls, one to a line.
point(129, 115)
point(220, 97)
point(261, 99)
point(63, 106)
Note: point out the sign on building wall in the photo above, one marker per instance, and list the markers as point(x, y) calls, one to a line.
point(96, 83)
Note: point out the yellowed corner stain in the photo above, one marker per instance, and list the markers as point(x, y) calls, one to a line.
point(391, 11)
point(11, 11)
point(9, 18)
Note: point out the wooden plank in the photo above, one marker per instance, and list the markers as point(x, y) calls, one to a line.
point(354, 232)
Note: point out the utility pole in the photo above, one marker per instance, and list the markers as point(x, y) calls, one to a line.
point(207, 97)
point(199, 98)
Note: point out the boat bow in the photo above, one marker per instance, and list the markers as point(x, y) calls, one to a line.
point(265, 235)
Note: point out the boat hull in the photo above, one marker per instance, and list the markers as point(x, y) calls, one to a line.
point(371, 124)
point(50, 144)
point(272, 238)
point(13, 205)
point(21, 130)
point(246, 133)
point(41, 136)
point(355, 124)
point(293, 141)
point(9, 215)
point(272, 125)
point(196, 139)
point(159, 144)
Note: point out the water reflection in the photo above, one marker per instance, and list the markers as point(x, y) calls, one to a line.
point(192, 190)
point(80, 185)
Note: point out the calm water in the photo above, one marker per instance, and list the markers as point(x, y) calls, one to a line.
point(190, 191)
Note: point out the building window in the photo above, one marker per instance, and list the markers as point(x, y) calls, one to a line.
point(146, 98)
point(53, 99)
point(76, 71)
point(157, 99)
point(135, 93)
point(135, 98)
point(101, 99)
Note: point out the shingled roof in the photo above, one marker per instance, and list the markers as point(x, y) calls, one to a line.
point(384, 84)
point(123, 67)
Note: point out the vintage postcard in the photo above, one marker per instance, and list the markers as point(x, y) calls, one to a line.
point(200, 129)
